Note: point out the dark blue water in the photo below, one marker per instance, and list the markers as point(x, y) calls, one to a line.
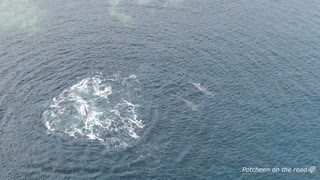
point(218, 86)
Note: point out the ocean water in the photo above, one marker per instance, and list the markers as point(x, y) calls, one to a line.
point(159, 89)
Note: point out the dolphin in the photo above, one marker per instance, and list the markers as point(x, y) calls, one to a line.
point(190, 104)
point(202, 88)
point(85, 111)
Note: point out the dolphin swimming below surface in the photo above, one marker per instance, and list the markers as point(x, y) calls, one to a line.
point(86, 112)
point(202, 88)
point(83, 111)
point(190, 104)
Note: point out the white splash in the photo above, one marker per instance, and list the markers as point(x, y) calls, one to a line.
point(91, 110)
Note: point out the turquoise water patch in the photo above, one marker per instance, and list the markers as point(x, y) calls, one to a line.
point(21, 15)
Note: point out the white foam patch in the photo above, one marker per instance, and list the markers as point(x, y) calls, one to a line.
point(98, 109)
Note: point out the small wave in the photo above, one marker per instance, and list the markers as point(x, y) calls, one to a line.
point(99, 109)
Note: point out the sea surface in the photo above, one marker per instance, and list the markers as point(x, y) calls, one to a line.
point(159, 89)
